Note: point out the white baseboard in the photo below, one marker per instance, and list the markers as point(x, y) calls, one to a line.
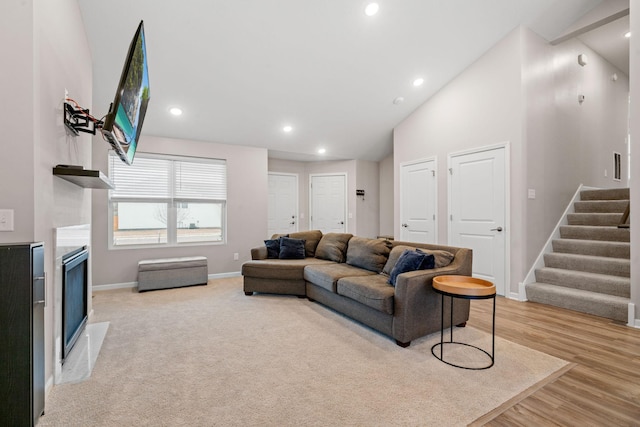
point(128, 285)
point(632, 321)
point(225, 275)
point(133, 285)
point(48, 386)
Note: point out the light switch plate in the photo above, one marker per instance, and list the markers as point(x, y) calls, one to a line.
point(531, 194)
point(6, 219)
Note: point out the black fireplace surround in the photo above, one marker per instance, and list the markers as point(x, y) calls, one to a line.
point(74, 297)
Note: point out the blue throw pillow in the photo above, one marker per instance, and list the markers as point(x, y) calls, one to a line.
point(429, 261)
point(273, 248)
point(292, 248)
point(410, 261)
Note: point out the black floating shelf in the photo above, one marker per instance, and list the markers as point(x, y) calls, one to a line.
point(84, 177)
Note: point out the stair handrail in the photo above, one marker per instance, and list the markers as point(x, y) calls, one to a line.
point(548, 246)
point(624, 221)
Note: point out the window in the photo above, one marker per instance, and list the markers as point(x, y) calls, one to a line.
point(161, 200)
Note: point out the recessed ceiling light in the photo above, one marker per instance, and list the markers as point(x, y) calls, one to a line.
point(175, 111)
point(322, 150)
point(287, 129)
point(418, 82)
point(371, 9)
point(628, 34)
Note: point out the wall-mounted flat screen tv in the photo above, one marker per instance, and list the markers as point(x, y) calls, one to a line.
point(123, 123)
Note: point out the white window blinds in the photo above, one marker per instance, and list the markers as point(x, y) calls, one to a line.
point(164, 178)
point(197, 180)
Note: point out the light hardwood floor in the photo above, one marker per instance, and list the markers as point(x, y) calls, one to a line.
point(602, 389)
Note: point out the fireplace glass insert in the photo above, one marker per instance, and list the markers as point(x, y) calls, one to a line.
point(74, 297)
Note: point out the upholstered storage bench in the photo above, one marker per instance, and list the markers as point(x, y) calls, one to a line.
point(172, 273)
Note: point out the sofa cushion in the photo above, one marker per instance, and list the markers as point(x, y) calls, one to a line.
point(411, 260)
point(333, 246)
point(273, 248)
point(311, 238)
point(291, 248)
point(281, 269)
point(370, 254)
point(327, 275)
point(442, 258)
point(372, 291)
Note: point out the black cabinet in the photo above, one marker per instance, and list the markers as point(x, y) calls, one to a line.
point(22, 298)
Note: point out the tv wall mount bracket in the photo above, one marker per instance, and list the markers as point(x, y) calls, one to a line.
point(78, 119)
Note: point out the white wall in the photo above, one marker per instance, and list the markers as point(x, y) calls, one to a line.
point(46, 52)
point(386, 196)
point(247, 195)
point(635, 159)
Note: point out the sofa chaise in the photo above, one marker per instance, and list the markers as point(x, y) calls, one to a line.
point(351, 275)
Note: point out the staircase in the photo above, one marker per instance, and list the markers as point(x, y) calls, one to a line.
point(589, 268)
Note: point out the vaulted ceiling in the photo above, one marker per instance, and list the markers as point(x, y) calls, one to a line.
point(242, 70)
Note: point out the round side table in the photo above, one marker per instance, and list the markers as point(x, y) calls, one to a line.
point(467, 288)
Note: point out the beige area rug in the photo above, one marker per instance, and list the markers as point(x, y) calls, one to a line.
point(209, 355)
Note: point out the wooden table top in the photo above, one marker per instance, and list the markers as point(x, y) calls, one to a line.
point(464, 286)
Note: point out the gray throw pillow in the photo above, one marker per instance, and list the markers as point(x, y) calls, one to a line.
point(333, 246)
point(311, 238)
point(370, 254)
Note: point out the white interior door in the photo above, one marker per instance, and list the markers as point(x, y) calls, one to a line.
point(328, 203)
point(418, 202)
point(477, 207)
point(283, 204)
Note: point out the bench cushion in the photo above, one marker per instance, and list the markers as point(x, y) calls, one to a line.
point(167, 273)
point(171, 263)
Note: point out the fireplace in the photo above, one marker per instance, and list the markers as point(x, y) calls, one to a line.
point(74, 297)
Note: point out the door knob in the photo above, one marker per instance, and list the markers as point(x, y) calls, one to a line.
point(292, 222)
point(496, 229)
point(341, 222)
point(405, 225)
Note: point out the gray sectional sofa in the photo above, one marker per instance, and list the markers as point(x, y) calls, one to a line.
point(350, 275)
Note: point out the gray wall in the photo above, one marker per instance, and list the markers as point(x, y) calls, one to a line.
point(247, 196)
point(299, 169)
point(568, 143)
point(360, 174)
point(45, 51)
point(635, 159)
point(386, 196)
point(525, 92)
point(368, 207)
point(481, 107)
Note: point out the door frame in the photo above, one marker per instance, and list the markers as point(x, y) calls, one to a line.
point(507, 204)
point(433, 159)
point(346, 197)
point(297, 211)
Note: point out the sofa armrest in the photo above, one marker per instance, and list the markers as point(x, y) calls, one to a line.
point(416, 304)
point(259, 253)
